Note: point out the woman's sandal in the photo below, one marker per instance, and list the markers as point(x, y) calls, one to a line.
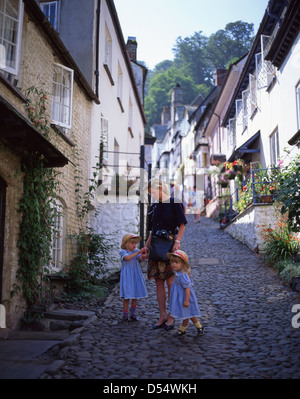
point(169, 327)
point(156, 326)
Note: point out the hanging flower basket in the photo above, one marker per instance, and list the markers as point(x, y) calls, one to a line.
point(224, 184)
point(237, 168)
point(231, 174)
point(238, 165)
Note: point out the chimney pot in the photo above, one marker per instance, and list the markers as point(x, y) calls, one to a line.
point(220, 76)
point(132, 47)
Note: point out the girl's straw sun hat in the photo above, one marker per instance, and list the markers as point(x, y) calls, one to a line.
point(180, 254)
point(128, 237)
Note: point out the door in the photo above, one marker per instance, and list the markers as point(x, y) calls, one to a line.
point(2, 220)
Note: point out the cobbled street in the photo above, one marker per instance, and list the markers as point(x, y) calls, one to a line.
point(246, 311)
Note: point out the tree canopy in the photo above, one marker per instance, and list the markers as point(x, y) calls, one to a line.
point(195, 60)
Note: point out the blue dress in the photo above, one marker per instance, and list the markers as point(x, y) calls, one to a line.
point(177, 297)
point(132, 282)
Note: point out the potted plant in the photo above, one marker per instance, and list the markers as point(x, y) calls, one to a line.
point(266, 196)
point(264, 187)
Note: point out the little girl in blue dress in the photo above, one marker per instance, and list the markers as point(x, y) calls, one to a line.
point(183, 301)
point(132, 282)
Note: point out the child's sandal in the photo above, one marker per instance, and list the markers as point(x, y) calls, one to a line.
point(179, 333)
point(200, 331)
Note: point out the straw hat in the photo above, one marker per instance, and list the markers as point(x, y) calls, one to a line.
point(128, 237)
point(180, 254)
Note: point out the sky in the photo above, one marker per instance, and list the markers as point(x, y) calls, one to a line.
point(157, 24)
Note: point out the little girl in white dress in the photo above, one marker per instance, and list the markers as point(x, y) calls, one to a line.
point(183, 301)
point(132, 282)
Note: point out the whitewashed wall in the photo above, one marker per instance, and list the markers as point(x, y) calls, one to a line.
point(115, 220)
point(247, 226)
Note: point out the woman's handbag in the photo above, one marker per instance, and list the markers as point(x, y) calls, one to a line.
point(161, 243)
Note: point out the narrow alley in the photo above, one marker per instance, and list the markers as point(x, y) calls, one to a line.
point(246, 311)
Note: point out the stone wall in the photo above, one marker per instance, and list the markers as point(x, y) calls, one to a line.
point(246, 227)
point(36, 69)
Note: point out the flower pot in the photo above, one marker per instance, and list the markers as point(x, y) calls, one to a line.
point(224, 184)
point(266, 198)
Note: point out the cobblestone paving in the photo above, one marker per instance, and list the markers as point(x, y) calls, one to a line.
point(246, 311)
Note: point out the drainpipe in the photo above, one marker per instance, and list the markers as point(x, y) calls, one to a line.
point(97, 47)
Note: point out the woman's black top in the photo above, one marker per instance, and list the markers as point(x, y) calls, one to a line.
point(166, 215)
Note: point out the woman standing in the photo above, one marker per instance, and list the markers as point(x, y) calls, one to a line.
point(164, 214)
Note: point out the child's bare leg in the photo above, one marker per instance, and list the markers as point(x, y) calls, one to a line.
point(133, 309)
point(185, 323)
point(125, 309)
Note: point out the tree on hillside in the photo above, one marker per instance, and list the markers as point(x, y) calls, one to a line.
point(191, 57)
point(160, 89)
point(230, 43)
point(195, 60)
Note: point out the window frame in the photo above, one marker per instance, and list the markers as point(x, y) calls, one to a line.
point(120, 87)
point(17, 43)
point(57, 244)
point(104, 123)
point(60, 122)
point(42, 4)
point(130, 117)
point(297, 89)
point(274, 147)
point(108, 55)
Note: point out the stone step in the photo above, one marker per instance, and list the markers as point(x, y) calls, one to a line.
point(68, 314)
point(59, 320)
point(38, 335)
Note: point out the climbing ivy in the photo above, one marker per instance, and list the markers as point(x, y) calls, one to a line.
point(39, 189)
point(36, 228)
